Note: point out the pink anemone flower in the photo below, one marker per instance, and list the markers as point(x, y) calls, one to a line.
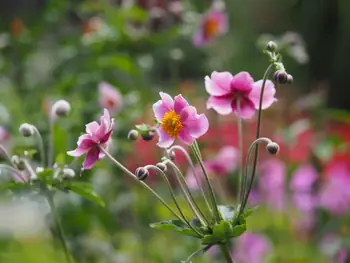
point(225, 90)
point(213, 24)
point(109, 98)
point(97, 135)
point(178, 120)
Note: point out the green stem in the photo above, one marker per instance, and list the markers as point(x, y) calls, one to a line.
point(225, 251)
point(240, 151)
point(49, 198)
point(256, 155)
point(41, 145)
point(211, 190)
point(131, 175)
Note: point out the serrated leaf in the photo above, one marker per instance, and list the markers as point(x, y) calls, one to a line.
point(175, 226)
point(227, 212)
point(221, 233)
point(86, 191)
point(238, 230)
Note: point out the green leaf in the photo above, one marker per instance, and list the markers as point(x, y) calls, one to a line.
point(238, 230)
point(249, 211)
point(227, 212)
point(86, 191)
point(175, 226)
point(142, 127)
point(45, 175)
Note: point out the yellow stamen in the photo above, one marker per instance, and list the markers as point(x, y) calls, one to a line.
point(171, 124)
point(211, 28)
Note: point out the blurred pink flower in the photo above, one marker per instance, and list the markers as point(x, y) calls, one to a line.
point(224, 163)
point(272, 183)
point(213, 24)
point(251, 248)
point(109, 98)
point(224, 90)
point(301, 184)
point(4, 135)
point(97, 135)
point(334, 194)
point(178, 120)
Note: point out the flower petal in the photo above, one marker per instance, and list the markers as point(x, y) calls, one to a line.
point(109, 97)
point(107, 135)
point(167, 100)
point(159, 110)
point(196, 125)
point(242, 82)
point(186, 137)
point(85, 142)
point(247, 108)
point(219, 84)
point(221, 105)
point(91, 158)
point(164, 139)
point(105, 125)
point(269, 94)
point(91, 128)
point(180, 103)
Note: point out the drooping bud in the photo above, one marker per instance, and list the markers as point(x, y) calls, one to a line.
point(290, 79)
point(26, 129)
point(161, 166)
point(18, 163)
point(281, 77)
point(133, 135)
point(172, 155)
point(147, 136)
point(271, 46)
point(272, 148)
point(68, 173)
point(141, 173)
point(61, 108)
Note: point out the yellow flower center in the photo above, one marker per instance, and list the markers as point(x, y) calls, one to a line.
point(171, 124)
point(211, 28)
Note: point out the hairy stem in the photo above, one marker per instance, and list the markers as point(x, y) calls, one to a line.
point(225, 251)
point(240, 193)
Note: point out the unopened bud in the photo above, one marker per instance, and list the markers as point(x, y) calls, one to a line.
point(68, 173)
point(161, 166)
point(172, 155)
point(26, 130)
point(141, 173)
point(61, 108)
point(133, 135)
point(281, 77)
point(39, 169)
point(272, 148)
point(271, 46)
point(147, 136)
point(18, 163)
point(290, 79)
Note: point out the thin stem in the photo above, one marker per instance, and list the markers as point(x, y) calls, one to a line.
point(41, 145)
point(60, 233)
point(189, 160)
point(240, 151)
point(29, 169)
point(185, 221)
point(187, 194)
point(50, 146)
point(11, 169)
point(211, 190)
point(226, 253)
point(256, 155)
point(5, 153)
point(201, 250)
point(131, 175)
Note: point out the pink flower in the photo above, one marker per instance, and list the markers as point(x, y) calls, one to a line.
point(213, 24)
point(225, 162)
point(178, 120)
point(4, 135)
point(97, 135)
point(225, 90)
point(251, 248)
point(109, 98)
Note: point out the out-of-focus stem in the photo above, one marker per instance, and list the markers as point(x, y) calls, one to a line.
point(41, 145)
point(240, 151)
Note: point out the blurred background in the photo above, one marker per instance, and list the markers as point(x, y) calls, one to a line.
point(118, 54)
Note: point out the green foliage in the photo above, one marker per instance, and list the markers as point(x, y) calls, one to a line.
point(84, 190)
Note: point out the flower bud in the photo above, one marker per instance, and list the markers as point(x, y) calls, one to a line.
point(141, 173)
point(61, 108)
point(161, 166)
point(281, 77)
point(26, 130)
point(290, 79)
point(147, 136)
point(271, 46)
point(272, 148)
point(133, 135)
point(172, 155)
point(18, 163)
point(68, 173)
